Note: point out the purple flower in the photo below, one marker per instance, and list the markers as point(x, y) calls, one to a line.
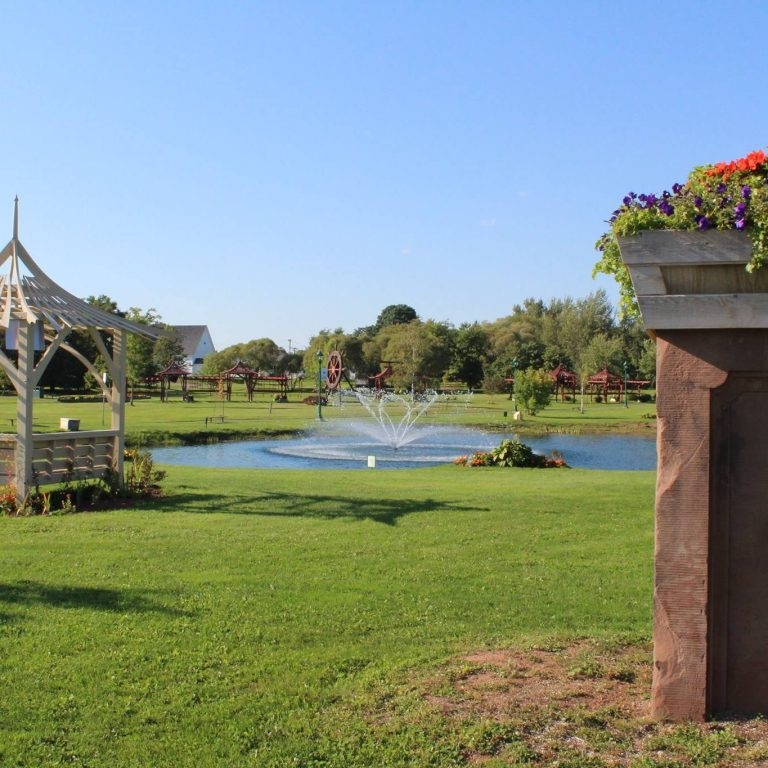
point(720, 189)
point(702, 222)
point(697, 201)
point(677, 188)
point(666, 207)
point(746, 192)
point(740, 212)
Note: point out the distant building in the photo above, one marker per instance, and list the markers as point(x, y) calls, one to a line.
point(197, 343)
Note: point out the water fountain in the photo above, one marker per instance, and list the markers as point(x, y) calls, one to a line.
point(395, 414)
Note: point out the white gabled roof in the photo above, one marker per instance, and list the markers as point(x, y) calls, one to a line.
point(27, 293)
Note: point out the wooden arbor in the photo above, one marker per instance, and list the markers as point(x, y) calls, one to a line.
point(604, 382)
point(37, 315)
point(241, 372)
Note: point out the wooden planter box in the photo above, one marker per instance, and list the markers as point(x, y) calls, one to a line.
point(696, 279)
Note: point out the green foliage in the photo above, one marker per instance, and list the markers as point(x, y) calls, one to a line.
point(419, 352)
point(168, 349)
point(395, 314)
point(139, 361)
point(470, 350)
point(533, 390)
point(510, 453)
point(257, 354)
point(141, 475)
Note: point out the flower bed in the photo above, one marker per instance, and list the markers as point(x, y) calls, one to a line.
point(723, 196)
point(510, 453)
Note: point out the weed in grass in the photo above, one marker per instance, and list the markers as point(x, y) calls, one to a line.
point(700, 745)
point(489, 738)
point(586, 669)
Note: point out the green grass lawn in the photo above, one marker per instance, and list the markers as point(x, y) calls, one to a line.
point(290, 618)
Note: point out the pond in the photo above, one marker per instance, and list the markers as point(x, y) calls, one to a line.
point(430, 446)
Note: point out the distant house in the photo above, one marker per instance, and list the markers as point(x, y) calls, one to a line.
point(197, 343)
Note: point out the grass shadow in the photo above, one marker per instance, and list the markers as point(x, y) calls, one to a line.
point(318, 506)
point(26, 592)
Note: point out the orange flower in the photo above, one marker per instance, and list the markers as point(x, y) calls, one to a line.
point(750, 162)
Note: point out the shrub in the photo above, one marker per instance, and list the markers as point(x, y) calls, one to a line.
point(533, 390)
point(510, 453)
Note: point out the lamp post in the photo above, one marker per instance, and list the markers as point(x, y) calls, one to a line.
point(319, 385)
point(514, 383)
point(626, 400)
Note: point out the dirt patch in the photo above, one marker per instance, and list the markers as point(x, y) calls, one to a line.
point(584, 705)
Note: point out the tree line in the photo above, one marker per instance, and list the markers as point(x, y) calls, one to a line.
point(584, 335)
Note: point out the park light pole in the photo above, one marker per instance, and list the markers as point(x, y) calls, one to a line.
point(514, 383)
point(626, 396)
point(319, 385)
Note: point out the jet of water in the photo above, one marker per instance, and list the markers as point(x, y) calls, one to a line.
point(395, 414)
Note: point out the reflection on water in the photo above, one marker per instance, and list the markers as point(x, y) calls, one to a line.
point(326, 449)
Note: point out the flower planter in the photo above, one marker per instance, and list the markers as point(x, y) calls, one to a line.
point(695, 280)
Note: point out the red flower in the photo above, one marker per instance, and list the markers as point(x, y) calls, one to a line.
point(751, 162)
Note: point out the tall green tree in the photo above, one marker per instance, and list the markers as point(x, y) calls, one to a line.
point(418, 352)
point(140, 362)
point(168, 349)
point(470, 351)
point(395, 314)
point(257, 354)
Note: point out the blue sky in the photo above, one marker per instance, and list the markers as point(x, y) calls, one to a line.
point(271, 169)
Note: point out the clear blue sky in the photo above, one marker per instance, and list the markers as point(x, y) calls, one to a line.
point(274, 168)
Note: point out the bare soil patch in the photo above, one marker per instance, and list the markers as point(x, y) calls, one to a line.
point(583, 705)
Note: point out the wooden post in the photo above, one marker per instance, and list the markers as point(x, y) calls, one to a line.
point(710, 320)
point(24, 407)
point(117, 405)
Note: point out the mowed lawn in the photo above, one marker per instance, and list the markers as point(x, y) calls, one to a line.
point(284, 618)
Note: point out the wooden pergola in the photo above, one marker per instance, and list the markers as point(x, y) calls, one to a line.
point(605, 382)
point(170, 374)
point(241, 372)
point(563, 380)
point(37, 316)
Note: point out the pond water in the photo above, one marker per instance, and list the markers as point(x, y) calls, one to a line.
point(329, 449)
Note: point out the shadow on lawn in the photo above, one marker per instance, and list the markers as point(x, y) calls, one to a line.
point(321, 507)
point(120, 600)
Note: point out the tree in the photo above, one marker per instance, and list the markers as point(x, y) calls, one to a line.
point(257, 354)
point(601, 352)
point(418, 352)
point(579, 322)
point(395, 314)
point(470, 350)
point(140, 364)
point(533, 390)
point(646, 365)
point(168, 349)
point(351, 347)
